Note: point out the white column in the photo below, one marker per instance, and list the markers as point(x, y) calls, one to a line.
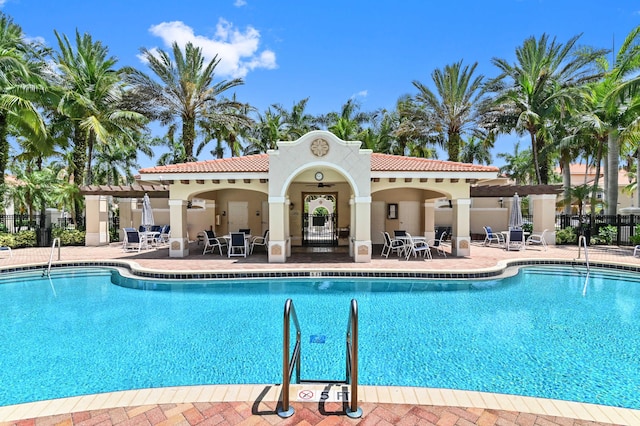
point(97, 226)
point(429, 220)
point(362, 238)
point(461, 239)
point(279, 241)
point(178, 242)
point(543, 208)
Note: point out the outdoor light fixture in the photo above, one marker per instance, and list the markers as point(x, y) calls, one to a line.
point(501, 201)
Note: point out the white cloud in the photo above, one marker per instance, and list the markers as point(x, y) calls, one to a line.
point(360, 94)
point(237, 3)
point(236, 49)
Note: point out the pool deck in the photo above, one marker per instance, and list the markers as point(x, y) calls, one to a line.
point(256, 404)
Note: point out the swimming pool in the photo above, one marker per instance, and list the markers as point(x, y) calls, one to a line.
point(532, 334)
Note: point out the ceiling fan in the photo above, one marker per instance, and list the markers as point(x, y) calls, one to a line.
point(321, 185)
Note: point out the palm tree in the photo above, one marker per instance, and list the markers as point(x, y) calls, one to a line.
point(413, 127)
point(454, 106)
point(477, 150)
point(20, 80)
point(518, 166)
point(297, 122)
point(348, 123)
point(186, 91)
point(532, 91)
point(621, 110)
point(92, 99)
point(269, 129)
point(231, 131)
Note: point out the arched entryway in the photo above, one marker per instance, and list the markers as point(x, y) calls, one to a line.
point(320, 219)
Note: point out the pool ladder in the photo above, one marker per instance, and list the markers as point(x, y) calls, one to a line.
point(53, 246)
point(582, 242)
point(291, 364)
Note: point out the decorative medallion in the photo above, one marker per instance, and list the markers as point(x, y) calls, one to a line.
point(464, 244)
point(319, 147)
point(276, 250)
point(175, 245)
point(363, 250)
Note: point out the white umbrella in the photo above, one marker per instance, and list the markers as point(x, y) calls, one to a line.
point(147, 213)
point(515, 218)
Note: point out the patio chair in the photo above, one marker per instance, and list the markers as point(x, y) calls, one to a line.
point(515, 240)
point(132, 240)
point(636, 250)
point(416, 247)
point(165, 234)
point(491, 237)
point(260, 241)
point(237, 245)
point(399, 233)
point(246, 231)
point(7, 249)
point(439, 243)
point(391, 245)
point(211, 242)
point(538, 239)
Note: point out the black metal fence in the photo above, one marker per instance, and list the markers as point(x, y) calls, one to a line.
point(319, 230)
point(591, 226)
point(14, 223)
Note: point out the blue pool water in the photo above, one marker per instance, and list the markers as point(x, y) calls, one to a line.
point(533, 334)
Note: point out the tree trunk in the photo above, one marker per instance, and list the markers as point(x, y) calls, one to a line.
point(188, 137)
point(566, 180)
point(90, 143)
point(613, 161)
point(79, 161)
point(4, 154)
point(534, 153)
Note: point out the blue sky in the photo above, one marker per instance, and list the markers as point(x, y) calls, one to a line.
point(333, 50)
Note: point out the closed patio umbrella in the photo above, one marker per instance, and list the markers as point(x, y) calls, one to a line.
point(147, 213)
point(515, 218)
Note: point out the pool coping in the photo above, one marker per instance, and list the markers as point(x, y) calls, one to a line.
point(257, 394)
point(274, 272)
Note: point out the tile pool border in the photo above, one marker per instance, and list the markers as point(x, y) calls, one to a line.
point(495, 272)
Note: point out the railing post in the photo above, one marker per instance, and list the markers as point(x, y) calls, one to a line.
point(352, 352)
point(286, 410)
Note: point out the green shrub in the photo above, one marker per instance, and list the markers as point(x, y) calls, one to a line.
point(68, 237)
point(606, 234)
point(21, 239)
point(566, 236)
point(635, 238)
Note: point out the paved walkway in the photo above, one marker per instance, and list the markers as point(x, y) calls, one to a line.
point(227, 405)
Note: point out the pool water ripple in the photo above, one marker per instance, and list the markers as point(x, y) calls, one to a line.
point(532, 334)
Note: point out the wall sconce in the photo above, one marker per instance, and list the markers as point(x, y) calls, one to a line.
point(224, 213)
point(291, 206)
point(501, 202)
point(257, 212)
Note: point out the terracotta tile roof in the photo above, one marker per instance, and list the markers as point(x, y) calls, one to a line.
point(260, 163)
point(399, 163)
point(248, 163)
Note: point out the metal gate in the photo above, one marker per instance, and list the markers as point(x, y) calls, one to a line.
point(319, 230)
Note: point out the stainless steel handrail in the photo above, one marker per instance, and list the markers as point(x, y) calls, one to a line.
point(582, 239)
point(352, 360)
point(288, 364)
point(53, 246)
